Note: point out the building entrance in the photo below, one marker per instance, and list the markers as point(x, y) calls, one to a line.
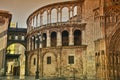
point(15, 60)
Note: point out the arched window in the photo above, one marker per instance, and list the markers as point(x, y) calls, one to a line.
point(65, 38)
point(53, 39)
point(77, 37)
point(65, 15)
point(44, 40)
point(45, 18)
point(53, 16)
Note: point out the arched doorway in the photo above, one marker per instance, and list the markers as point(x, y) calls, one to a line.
point(114, 56)
point(15, 59)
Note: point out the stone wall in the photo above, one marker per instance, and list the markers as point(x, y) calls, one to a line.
point(4, 23)
point(60, 66)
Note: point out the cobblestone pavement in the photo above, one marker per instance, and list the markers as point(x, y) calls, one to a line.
point(17, 77)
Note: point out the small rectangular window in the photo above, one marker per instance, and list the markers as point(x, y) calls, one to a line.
point(48, 60)
point(34, 62)
point(10, 37)
point(16, 37)
point(71, 59)
point(23, 38)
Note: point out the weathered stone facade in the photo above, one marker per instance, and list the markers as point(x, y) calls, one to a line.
point(5, 18)
point(82, 29)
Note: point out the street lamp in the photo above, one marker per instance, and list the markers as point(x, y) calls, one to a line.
point(38, 40)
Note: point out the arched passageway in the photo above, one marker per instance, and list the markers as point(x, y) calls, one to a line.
point(15, 60)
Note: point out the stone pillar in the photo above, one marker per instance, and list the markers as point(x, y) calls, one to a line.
point(37, 20)
point(69, 13)
point(35, 43)
point(79, 12)
point(41, 39)
point(32, 43)
point(71, 38)
point(72, 12)
point(48, 39)
point(48, 18)
point(33, 21)
point(29, 44)
point(59, 61)
point(26, 63)
point(60, 15)
point(41, 19)
point(83, 37)
point(59, 39)
point(57, 15)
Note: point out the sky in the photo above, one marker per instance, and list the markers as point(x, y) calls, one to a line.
point(21, 9)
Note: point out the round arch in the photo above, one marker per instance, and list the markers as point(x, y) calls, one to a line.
point(77, 37)
point(16, 42)
point(49, 63)
point(53, 39)
point(15, 59)
point(65, 38)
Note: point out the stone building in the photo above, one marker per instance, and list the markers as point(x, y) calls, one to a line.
point(75, 39)
point(5, 18)
point(15, 51)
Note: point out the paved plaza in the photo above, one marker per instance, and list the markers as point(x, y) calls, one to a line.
point(17, 78)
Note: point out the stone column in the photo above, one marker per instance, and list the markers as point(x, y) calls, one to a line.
point(35, 43)
point(69, 13)
point(26, 63)
point(72, 12)
point(59, 39)
point(57, 15)
point(29, 44)
point(79, 12)
point(83, 37)
point(71, 38)
point(48, 39)
point(48, 18)
point(41, 19)
point(33, 21)
point(37, 20)
point(60, 15)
